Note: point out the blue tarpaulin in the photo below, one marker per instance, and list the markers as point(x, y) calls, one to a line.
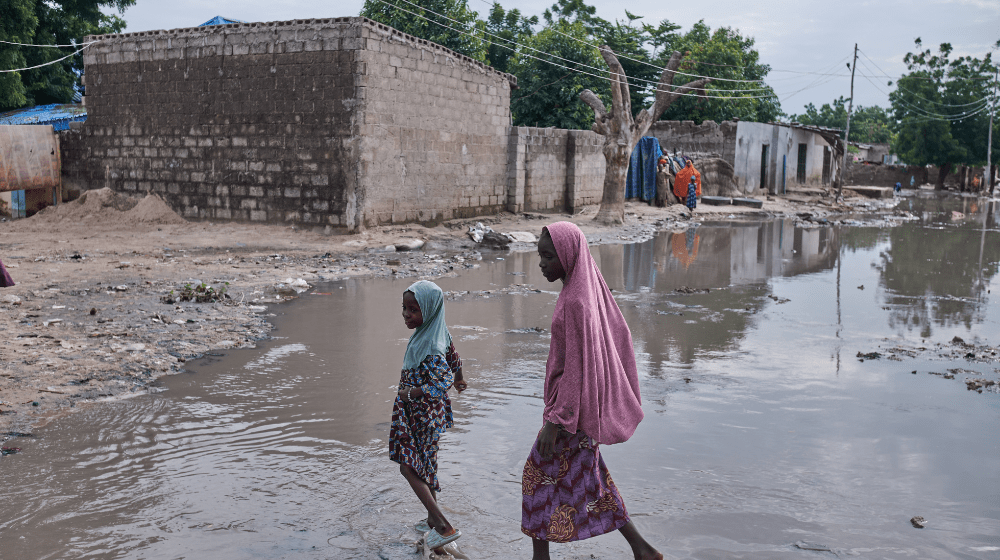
point(219, 20)
point(641, 180)
point(59, 116)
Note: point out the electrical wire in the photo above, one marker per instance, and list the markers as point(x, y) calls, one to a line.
point(597, 47)
point(674, 92)
point(914, 93)
point(47, 63)
point(53, 46)
point(924, 112)
point(636, 81)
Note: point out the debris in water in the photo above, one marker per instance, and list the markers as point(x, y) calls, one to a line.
point(918, 522)
point(868, 356)
point(802, 545)
point(9, 450)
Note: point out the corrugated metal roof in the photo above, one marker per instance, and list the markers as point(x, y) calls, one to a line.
point(219, 20)
point(59, 116)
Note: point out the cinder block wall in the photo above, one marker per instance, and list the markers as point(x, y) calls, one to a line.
point(341, 122)
point(253, 121)
point(434, 134)
point(701, 140)
point(554, 169)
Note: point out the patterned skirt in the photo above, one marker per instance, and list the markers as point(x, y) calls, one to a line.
point(413, 438)
point(571, 496)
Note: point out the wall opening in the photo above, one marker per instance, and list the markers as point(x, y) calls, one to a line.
point(826, 165)
point(800, 174)
point(763, 166)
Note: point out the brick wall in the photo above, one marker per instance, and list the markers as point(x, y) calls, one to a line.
point(553, 169)
point(434, 136)
point(332, 122)
point(708, 139)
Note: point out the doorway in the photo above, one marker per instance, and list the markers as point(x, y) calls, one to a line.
point(800, 174)
point(763, 166)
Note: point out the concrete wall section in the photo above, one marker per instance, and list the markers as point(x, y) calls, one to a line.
point(434, 133)
point(243, 121)
point(554, 169)
point(781, 160)
point(706, 140)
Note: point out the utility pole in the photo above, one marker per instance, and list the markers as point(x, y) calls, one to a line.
point(989, 136)
point(847, 131)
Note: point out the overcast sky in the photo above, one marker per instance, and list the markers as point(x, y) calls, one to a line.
point(793, 36)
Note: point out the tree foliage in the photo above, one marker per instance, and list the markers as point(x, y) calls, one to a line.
point(506, 30)
point(869, 125)
point(723, 54)
point(548, 94)
point(941, 108)
point(554, 63)
point(449, 23)
point(49, 22)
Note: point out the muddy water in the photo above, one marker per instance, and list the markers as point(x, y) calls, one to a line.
point(763, 429)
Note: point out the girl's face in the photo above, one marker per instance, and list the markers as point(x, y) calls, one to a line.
point(411, 311)
point(548, 260)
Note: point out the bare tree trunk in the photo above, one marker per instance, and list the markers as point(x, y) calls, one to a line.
point(942, 173)
point(612, 209)
point(621, 132)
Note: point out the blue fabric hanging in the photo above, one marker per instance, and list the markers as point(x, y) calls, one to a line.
point(641, 180)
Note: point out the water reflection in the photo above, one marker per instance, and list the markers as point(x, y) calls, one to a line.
point(757, 433)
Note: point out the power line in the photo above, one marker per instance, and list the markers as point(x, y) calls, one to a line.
point(916, 94)
point(674, 92)
point(923, 111)
point(53, 46)
point(633, 79)
point(50, 62)
point(616, 54)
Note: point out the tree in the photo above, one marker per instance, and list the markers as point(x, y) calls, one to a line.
point(17, 24)
point(457, 27)
point(872, 125)
point(941, 105)
point(622, 132)
point(506, 29)
point(549, 86)
point(49, 22)
point(723, 54)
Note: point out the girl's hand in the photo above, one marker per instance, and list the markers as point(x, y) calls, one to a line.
point(460, 383)
point(547, 440)
point(401, 393)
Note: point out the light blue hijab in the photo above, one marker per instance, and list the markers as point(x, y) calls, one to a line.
point(432, 337)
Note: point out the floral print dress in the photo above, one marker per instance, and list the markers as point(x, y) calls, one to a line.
point(417, 425)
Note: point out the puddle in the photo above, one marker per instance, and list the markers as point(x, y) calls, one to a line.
point(765, 435)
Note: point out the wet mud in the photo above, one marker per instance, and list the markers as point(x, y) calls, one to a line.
point(765, 435)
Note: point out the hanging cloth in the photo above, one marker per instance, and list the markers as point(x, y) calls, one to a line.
point(641, 180)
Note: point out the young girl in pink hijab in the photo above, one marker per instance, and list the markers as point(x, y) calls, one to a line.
point(591, 398)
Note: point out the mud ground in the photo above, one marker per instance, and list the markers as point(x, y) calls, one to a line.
point(97, 312)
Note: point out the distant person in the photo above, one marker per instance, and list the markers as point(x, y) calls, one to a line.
point(422, 410)
point(897, 188)
point(684, 178)
point(591, 399)
point(911, 181)
point(692, 195)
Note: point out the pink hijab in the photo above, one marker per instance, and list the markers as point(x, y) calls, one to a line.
point(591, 383)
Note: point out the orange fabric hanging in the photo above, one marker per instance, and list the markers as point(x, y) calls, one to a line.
point(683, 179)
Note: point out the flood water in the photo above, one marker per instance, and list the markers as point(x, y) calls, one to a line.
point(763, 429)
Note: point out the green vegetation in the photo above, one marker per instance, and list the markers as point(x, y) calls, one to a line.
point(48, 22)
point(560, 60)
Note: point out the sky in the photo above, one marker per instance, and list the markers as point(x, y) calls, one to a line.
point(797, 38)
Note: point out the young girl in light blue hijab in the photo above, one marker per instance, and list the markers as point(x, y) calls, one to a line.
point(422, 410)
